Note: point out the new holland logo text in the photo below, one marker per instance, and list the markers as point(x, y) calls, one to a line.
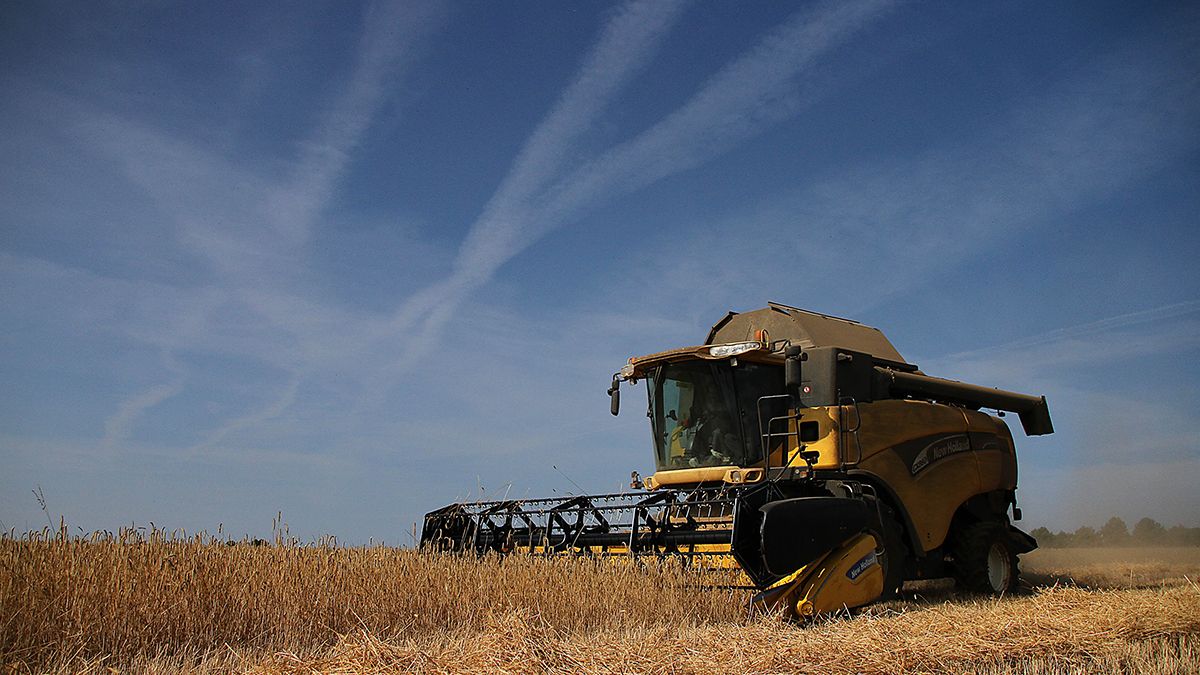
point(862, 566)
point(939, 449)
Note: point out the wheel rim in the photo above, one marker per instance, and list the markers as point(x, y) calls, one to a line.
point(998, 569)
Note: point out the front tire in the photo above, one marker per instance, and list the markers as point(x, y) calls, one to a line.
point(891, 549)
point(984, 560)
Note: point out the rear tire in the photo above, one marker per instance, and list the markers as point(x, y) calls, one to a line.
point(984, 561)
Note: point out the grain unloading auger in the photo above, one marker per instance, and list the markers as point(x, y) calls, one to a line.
point(805, 451)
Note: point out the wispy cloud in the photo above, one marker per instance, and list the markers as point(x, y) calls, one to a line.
point(116, 428)
point(1095, 331)
point(1104, 417)
point(749, 94)
point(540, 192)
point(1055, 357)
point(868, 232)
point(625, 46)
point(252, 229)
point(393, 34)
point(284, 400)
point(760, 88)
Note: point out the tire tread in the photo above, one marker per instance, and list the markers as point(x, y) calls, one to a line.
point(971, 558)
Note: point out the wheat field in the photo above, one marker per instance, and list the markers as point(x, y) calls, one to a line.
point(168, 602)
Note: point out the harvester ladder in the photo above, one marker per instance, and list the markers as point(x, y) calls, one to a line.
point(843, 403)
point(789, 430)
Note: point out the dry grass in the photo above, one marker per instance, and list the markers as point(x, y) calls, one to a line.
point(129, 596)
point(165, 604)
point(1059, 629)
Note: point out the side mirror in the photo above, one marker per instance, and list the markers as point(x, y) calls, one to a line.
point(791, 371)
point(614, 396)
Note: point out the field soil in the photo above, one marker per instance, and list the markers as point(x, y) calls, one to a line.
point(169, 603)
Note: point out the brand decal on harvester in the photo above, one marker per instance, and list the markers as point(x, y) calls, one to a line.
point(862, 566)
point(939, 449)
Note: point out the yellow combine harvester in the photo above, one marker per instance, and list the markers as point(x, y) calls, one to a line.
point(805, 450)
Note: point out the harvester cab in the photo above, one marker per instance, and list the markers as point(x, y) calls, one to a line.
point(804, 450)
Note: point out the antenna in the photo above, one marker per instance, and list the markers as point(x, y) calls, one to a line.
point(567, 477)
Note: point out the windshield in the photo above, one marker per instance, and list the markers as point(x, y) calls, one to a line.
point(705, 413)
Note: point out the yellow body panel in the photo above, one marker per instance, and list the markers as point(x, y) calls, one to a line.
point(932, 495)
point(826, 445)
point(997, 457)
point(703, 474)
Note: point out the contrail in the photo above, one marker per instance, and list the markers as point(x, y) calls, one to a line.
point(392, 32)
point(116, 428)
point(270, 411)
point(1101, 326)
point(742, 99)
point(625, 46)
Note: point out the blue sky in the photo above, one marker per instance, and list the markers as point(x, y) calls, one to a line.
point(353, 262)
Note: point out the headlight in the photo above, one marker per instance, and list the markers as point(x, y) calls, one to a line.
point(723, 351)
point(626, 371)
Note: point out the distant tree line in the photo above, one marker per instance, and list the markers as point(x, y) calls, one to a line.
point(1146, 532)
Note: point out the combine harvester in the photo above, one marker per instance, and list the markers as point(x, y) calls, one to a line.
point(805, 450)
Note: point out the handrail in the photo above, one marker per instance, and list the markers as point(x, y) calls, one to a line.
point(765, 438)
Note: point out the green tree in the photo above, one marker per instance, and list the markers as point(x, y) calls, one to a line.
point(1044, 537)
point(1177, 536)
point(1148, 531)
point(1086, 536)
point(1114, 532)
